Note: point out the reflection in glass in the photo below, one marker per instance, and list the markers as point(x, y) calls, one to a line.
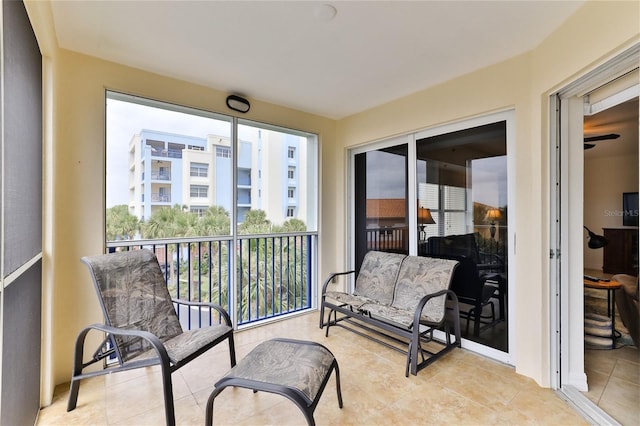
point(381, 201)
point(462, 180)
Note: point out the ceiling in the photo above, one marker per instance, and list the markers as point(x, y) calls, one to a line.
point(292, 53)
point(621, 119)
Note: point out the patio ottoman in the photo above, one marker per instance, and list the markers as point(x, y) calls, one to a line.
point(296, 369)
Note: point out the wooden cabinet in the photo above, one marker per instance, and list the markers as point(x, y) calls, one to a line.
point(621, 253)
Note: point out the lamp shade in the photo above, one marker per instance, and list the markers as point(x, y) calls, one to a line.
point(493, 215)
point(596, 241)
point(424, 216)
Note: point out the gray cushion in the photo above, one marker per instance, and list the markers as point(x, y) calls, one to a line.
point(377, 277)
point(355, 301)
point(421, 276)
point(293, 364)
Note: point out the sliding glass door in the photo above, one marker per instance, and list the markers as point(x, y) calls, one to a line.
point(462, 187)
point(444, 192)
point(381, 221)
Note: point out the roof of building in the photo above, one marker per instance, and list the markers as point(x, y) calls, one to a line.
point(386, 208)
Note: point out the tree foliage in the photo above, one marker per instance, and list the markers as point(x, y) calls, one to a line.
point(255, 222)
point(121, 225)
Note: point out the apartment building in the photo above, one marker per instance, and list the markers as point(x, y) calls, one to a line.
point(166, 169)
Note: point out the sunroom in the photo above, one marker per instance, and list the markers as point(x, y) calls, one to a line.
point(476, 148)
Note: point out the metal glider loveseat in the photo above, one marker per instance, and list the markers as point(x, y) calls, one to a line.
point(400, 298)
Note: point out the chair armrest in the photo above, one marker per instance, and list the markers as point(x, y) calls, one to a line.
point(331, 276)
point(218, 308)
point(149, 337)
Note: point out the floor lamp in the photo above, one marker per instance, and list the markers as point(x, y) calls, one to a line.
point(492, 216)
point(424, 219)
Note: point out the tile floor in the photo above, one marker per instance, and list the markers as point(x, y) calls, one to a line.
point(613, 377)
point(460, 388)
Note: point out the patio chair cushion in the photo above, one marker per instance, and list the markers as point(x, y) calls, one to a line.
point(377, 277)
point(184, 345)
point(134, 296)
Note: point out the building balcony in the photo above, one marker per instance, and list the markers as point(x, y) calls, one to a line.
point(160, 198)
point(157, 175)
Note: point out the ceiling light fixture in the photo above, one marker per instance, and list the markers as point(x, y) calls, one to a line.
point(325, 12)
point(238, 103)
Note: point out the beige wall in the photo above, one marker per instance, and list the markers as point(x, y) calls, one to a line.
point(597, 32)
point(74, 138)
point(605, 179)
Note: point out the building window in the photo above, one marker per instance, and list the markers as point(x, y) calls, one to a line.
point(223, 152)
point(199, 191)
point(199, 169)
point(291, 173)
point(291, 153)
point(196, 148)
point(199, 210)
point(290, 212)
point(291, 193)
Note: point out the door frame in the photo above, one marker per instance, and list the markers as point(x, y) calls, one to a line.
point(567, 110)
point(507, 115)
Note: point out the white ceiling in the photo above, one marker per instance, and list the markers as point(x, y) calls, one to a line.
point(371, 53)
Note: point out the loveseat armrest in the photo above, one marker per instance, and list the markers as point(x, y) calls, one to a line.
point(417, 316)
point(330, 278)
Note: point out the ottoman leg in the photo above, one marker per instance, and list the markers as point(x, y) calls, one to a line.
point(208, 420)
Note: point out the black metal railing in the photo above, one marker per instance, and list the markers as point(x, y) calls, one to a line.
point(273, 274)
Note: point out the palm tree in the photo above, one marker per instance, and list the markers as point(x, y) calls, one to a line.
point(121, 225)
point(167, 222)
point(255, 222)
point(215, 221)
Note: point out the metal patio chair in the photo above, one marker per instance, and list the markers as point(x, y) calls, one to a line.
point(141, 325)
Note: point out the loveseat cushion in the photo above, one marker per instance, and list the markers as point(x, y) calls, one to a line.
point(377, 277)
point(348, 299)
point(421, 276)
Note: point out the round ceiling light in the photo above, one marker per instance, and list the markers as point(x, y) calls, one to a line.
point(325, 12)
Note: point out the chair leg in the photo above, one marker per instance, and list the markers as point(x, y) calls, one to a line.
point(73, 395)
point(476, 317)
point(77, 370)
point(322, 314)
point(232, 351)
point(337, 370)
point(169, 409)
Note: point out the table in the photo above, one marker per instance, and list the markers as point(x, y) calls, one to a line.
point(296, 369)
point(610, 287)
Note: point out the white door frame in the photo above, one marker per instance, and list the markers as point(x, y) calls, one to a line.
point(509, 117)
point(566, 229)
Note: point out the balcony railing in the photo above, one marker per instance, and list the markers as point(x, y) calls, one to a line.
point(274, 274)
point(391, 239)
point(160, 198)
point(158, 175)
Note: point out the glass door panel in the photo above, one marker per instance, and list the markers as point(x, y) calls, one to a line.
point(461, 179)
point(381, 219)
